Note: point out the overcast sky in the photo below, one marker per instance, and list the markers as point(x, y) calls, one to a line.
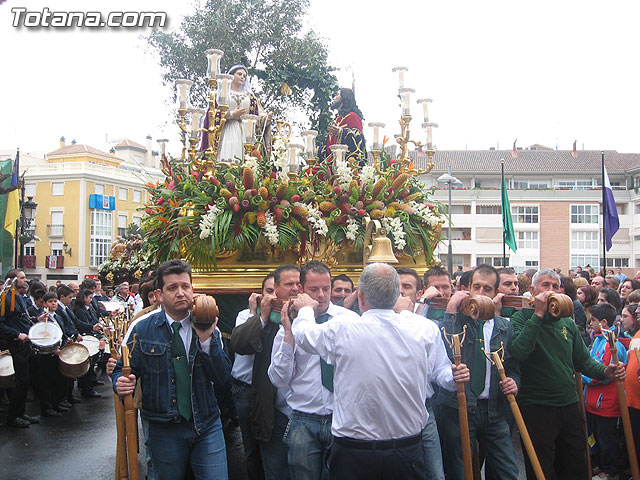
point(539, 71)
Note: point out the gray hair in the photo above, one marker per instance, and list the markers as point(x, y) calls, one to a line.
point(614, 279)
point(380, 285)
point(547, 272)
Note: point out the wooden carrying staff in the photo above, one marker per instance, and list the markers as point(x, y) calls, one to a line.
point(497, 358)
point(122, 472)
point(622, 400)
point(454, 341)
point(580, 391)
point(131, 421)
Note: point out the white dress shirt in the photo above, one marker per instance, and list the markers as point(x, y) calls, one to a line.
point(382, 364)
point(243, 364)
point(302, 372)
point(439, 372)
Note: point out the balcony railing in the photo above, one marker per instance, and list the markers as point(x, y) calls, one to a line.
point(29, 261)
point(55, 230)
point(54, 261)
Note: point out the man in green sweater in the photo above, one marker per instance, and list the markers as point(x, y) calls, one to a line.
point(550, 350)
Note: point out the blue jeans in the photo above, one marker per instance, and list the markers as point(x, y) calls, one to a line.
point(495, 437)
point(151, 471)
point(274, 452)
point(432, 449)
point(309, 439)
point(253, 461)
point(175, 445)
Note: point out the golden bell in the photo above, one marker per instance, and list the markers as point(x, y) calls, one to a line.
point(381, 250)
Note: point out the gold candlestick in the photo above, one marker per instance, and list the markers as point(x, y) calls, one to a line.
point(182, 113)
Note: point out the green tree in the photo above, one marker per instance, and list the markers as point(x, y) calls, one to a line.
point(265, 35)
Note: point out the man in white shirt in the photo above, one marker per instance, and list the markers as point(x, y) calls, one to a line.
point(382, 363)
point(311, 381)
point(242, 376)
point(269, 409)
point(411, 289)
point(486, 402)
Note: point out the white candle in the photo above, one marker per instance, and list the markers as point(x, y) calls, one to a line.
point(376, 134)
point(224, 83)
point(213, 62)
point(338, 152)
point(425, 108)
point(310, 137)
point(248, 125)
point(400, 71)
point(405, 93)
point(293, 155)
point(429, 127)
point(183, 87)
point(196, 115)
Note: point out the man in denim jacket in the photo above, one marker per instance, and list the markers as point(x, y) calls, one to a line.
point(184, 426)
point(485, 405)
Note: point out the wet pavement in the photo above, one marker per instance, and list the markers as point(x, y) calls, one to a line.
point(79, 445)
point(82, 444)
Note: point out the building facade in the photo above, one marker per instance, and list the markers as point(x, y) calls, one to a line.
point(86, 199)
point(556, 202)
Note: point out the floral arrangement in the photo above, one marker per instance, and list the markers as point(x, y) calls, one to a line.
point(128, 259)
point(202, 215)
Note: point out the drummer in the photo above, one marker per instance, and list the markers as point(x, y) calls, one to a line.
point(485, 392)
point(14, 330)
point(52, 386)
point(74, 325)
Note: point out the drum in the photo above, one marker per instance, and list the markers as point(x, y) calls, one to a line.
point(46, 337)
point(73, 361)
point(6, 370)
point(91, 343)
point(111, 306)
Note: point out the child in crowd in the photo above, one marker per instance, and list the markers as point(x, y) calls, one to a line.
point(601, 396)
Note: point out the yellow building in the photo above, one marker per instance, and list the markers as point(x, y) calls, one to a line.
point(86, 198)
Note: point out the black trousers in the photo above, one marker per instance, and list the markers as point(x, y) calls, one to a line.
point(559, 438)
point(49, 382)
point(607, 433)
point(20, 353)
point(86, 383)
point(401, 463)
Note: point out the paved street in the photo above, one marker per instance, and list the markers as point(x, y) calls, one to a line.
point(82, 444)
point(79, 445)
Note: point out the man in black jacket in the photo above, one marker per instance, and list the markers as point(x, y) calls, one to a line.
point(269, 410)
point(14, 330)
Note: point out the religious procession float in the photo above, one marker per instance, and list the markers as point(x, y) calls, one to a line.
point(243, 198)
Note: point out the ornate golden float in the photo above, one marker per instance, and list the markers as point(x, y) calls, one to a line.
point(236, 220)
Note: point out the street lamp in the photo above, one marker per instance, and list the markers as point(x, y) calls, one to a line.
point(449, 180)
point(30, 210)
point(27, 216)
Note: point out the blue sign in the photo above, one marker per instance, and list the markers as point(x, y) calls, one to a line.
point(102, 202)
